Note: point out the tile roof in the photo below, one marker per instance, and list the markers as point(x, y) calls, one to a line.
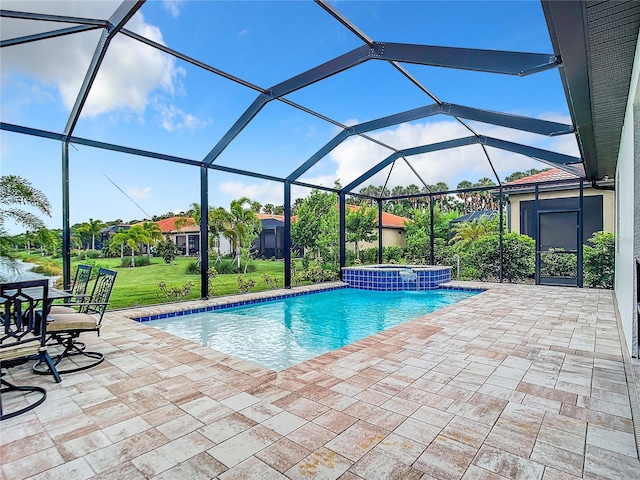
point(169, 225)
point(388, 219)
point(548, 176)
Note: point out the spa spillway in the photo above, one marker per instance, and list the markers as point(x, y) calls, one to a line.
point(396, 277)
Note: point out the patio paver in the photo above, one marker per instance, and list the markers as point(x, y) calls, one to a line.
point(519, 382)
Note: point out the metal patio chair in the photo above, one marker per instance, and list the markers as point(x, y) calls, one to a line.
point(23, 336)
point(65, 328)
point(78, 291)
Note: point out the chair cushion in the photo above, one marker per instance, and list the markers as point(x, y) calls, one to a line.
point(17, 351)
point(59, 309)
point(71, 321)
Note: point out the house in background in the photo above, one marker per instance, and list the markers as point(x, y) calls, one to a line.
point(270, 243)
point(561, 196)
point(107, 232)
point(186, 238)
point(547, 207)
point(393, 231)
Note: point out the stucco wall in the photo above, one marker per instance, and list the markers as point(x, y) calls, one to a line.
point(390, 237)
point(608, 205)
point(628, 219)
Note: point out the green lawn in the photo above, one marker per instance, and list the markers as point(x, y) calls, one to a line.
point(139, 286)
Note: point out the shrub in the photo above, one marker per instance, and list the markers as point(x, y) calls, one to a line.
point(174, 294)
point(212, 273)
point(228, 265)
point(167, 250)
point(316, 274)
point(245, 284)
point(481, 259)
point(518, 256)
point(272, 282)
point(193, 268)
point(599, 260)
point(369, 256)
point(393, 254)
point(553, 264)
point(140, 261)
point(49, 269)
point(418, 248)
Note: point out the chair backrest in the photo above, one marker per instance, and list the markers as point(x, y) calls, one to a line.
point(21, 307)
point(81, 280)
point(101, 293)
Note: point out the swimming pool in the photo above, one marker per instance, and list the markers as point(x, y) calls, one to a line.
point(282, 333)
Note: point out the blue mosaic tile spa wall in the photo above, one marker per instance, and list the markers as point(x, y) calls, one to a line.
point(371, 278)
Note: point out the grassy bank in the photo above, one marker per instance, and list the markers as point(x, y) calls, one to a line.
point(139, 286)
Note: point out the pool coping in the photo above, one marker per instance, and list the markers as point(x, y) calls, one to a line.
point(171, 310)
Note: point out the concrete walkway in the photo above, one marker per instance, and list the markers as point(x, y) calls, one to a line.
point(519, 382)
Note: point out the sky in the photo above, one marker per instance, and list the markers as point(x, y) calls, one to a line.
point(145, 99)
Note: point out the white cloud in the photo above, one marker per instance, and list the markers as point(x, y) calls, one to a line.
point(172, 118)
point(173, 7)
point(130, 73)
point(242, 33)
point(357, 155)
point(139, 193)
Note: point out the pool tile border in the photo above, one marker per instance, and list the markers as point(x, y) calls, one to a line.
point(263, 299)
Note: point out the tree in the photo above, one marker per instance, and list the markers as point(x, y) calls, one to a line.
point(361, 224)
point(317, 221)
point(135, 236)
point(47, 240)
point(16, 191)
point(93, 228)
point(119, 239)
point(167, 250)
point(469, 232)
point(255, 206)
point(268, 208)
point(240, 225)
point(296, 205)
point(154, 233)
point(182, 221)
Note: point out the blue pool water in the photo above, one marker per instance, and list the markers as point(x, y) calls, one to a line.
point(285, 332)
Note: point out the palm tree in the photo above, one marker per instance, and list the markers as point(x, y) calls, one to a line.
point(468, 232)
point(46, 239)
point(119, 239)
point(464, 196)
point(240, 224)
point(268, 208)
point(217, 222)
point(134, 237)
point(154, 233)
point(413, 189)
point(182, 221)
point(15, 190)
point(94, 228)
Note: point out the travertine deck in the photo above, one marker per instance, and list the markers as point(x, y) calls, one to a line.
point(518, 382)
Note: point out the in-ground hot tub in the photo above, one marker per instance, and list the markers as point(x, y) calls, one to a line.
point(396, 277)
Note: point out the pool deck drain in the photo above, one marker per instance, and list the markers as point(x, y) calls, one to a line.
point(518, 382)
